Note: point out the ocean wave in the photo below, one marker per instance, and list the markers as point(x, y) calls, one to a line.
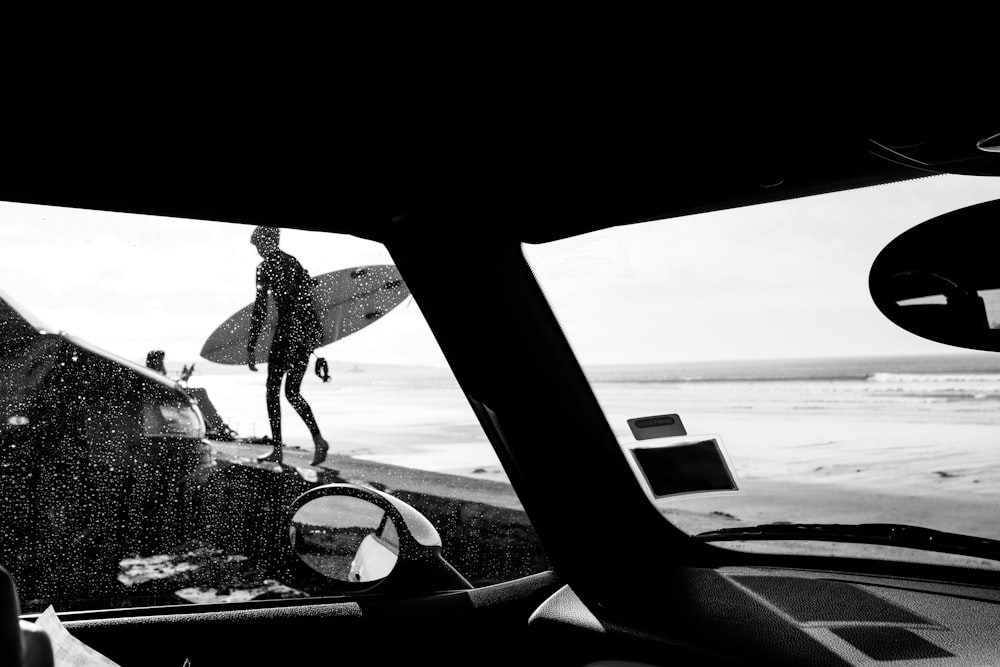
point(876, 370)
point(951, 386)
point(883, 388)
point(667, 379)
point(975, 386)
point(936, 378)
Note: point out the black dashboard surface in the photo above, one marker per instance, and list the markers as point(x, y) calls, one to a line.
point(754, 615)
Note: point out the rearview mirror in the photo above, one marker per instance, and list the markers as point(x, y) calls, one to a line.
point(940, 280)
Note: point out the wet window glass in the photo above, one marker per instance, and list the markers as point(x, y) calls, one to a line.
point(753, 330)
point(169, 388)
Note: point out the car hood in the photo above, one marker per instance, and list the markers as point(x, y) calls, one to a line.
point(20, 334)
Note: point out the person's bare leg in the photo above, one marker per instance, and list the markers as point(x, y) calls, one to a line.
point(293, 384)
point(274, 414)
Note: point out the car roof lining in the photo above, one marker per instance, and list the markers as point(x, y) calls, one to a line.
point(514, 186)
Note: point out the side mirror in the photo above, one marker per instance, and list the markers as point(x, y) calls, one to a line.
point(365, 538)
point(940, 280)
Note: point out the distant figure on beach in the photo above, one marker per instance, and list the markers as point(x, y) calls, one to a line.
point(298, 331)
point(154, 361)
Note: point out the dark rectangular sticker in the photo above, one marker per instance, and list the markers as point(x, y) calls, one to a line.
point(689, 467)
point(658, 426)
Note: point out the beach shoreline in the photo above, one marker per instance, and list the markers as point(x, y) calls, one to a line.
point(875, 445)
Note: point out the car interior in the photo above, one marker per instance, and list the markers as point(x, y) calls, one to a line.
point(454, 205)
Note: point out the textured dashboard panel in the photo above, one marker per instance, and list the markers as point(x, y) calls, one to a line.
point(776, 616)
point(870, 620)
point(890, 643)
point(821, 600)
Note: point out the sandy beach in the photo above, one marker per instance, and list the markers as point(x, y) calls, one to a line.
point(808, 451)
point(406, 416)
point(798, 458)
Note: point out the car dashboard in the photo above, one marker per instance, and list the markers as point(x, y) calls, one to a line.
point(751, 615)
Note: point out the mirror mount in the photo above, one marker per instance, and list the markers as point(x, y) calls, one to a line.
point(974, 153)
point(423, 574)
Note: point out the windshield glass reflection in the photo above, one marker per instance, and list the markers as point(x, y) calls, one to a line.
point(756, 327)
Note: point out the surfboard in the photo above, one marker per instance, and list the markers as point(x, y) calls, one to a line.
point(346, 301)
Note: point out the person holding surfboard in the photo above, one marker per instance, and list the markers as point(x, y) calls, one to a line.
point(297, 334)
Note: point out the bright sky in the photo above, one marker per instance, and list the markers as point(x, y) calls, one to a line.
point(782, 280)
point(713, 286)
point(130, 284)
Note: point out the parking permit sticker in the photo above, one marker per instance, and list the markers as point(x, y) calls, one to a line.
point(659, 426)
point(693, 464)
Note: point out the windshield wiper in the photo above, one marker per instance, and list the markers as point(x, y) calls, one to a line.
point(887, 534)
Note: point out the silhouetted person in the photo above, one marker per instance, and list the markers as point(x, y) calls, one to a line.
point(154, 360)
point(297, 334)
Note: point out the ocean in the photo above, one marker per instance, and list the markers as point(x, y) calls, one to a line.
point(375, 409)
point(954, 368)
point(958, 388)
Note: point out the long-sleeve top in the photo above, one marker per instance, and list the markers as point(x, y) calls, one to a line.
point(282, 277)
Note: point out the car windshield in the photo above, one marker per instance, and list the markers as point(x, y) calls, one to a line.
point(140, 461)
point(749, 339)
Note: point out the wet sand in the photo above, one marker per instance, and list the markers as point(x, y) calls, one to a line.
point(407, 416)
point(471, 487)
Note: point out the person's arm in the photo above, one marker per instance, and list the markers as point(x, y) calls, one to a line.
point(259, 315)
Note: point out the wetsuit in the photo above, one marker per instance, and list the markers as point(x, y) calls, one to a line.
point(297, 334)
point(298, 331)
